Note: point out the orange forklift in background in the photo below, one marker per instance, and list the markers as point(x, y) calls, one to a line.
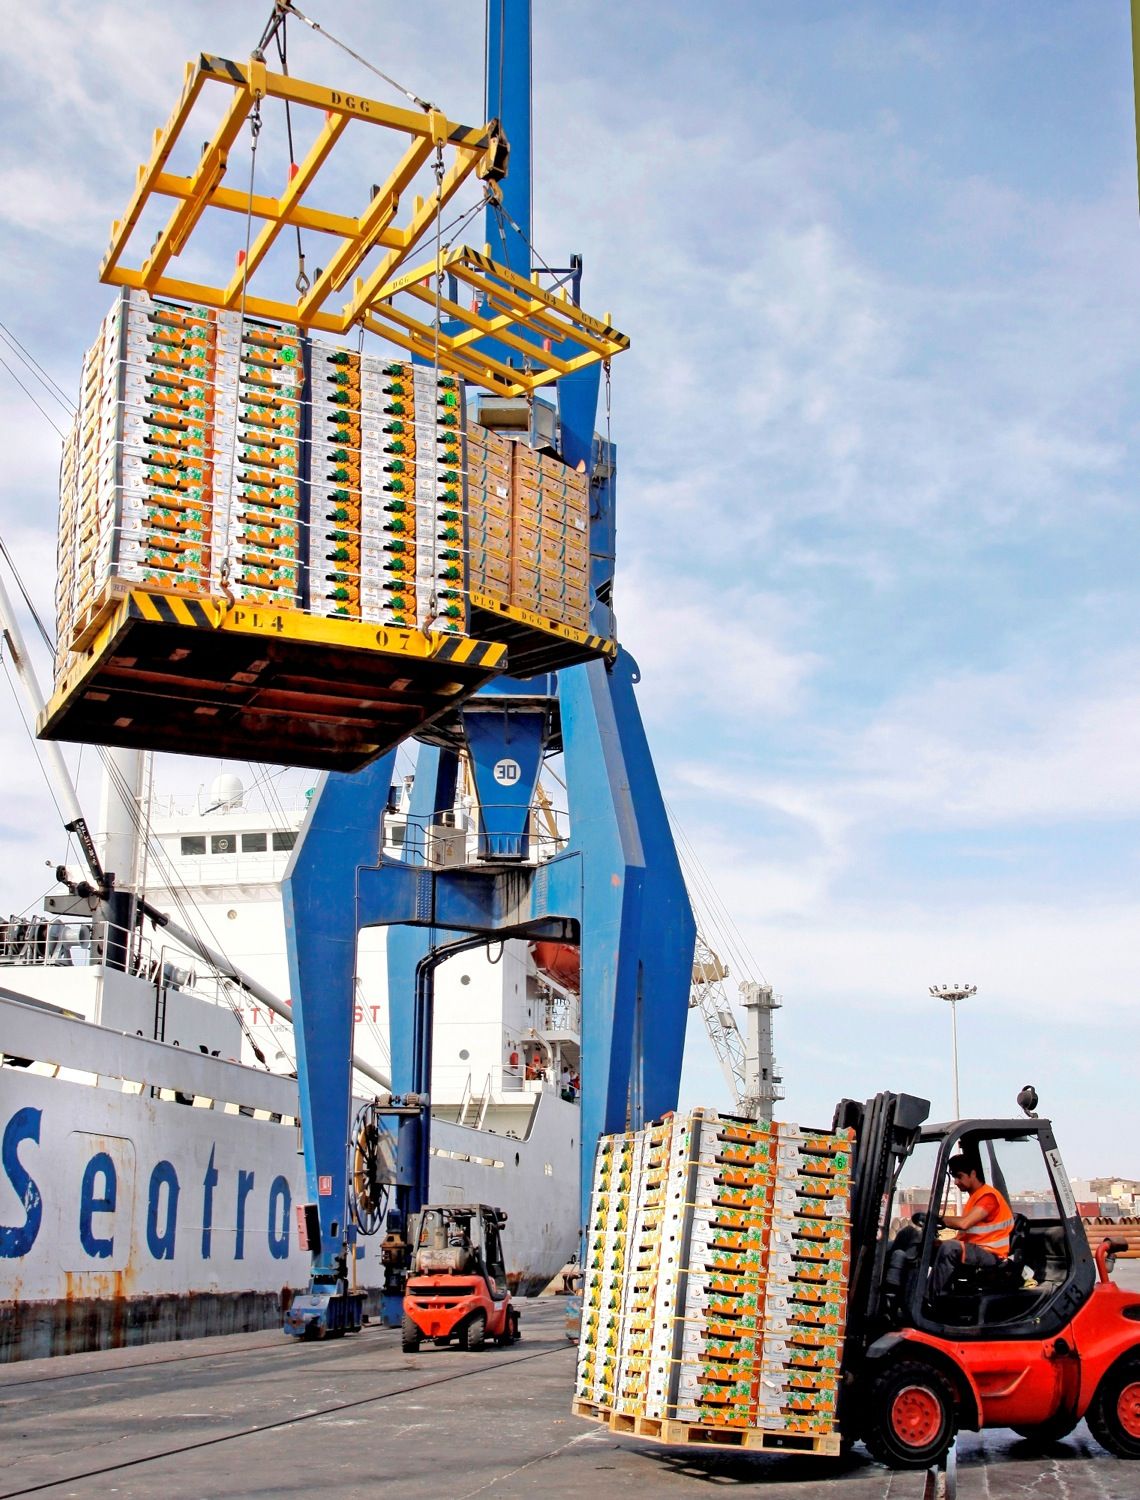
point(457, 1286)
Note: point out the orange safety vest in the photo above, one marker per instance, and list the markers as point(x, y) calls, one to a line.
point(993, 1231)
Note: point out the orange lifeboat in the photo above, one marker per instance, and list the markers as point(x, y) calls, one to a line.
point(561, 962)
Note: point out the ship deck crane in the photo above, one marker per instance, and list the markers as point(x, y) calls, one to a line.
point(746, 1060)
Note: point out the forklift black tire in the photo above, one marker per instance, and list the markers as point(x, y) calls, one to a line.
point(409, 1335)
point(475, 1332)
point(1044, 1434)
point(912, 1416)
point(510, 1334)
point(1114, 1413)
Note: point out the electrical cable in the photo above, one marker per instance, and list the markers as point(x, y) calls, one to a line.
point(32, 364)
point(31, 398)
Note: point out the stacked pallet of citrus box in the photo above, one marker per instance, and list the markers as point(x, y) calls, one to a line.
point(738, 1283)
point(605, 1280)
point(386, 529)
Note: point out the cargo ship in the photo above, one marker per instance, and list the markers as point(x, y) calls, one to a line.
point(150, 1154)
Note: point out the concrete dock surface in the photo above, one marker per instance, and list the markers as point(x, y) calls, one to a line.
point(259, 1415)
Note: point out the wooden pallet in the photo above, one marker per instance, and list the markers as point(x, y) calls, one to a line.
point(90, 619)
point(701, 1435)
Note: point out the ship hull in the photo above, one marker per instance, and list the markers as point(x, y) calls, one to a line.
point(127, 1216)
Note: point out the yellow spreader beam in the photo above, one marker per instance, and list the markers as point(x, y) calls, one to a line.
point(550, 334)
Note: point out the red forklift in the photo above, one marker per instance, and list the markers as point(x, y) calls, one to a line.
point(457, 1285)
point(1036, 1343)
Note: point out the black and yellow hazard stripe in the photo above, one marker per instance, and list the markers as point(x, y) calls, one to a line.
point(295, 625)
point(471, 653)
point(169, 609)
point(222, 65)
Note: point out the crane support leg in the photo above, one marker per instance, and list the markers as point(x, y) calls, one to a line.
point(341, 832)
point(637, 926)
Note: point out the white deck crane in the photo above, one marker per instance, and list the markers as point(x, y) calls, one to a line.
point(747, 1062)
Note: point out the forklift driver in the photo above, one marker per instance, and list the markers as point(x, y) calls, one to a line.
point(983, 1226)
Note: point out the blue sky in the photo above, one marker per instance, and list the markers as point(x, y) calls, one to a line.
point(879, 437)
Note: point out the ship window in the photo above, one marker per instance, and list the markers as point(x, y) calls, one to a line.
point(284, 840)
point(394, 833)
point(254, 843)
point(222, 843)
point(194, 843)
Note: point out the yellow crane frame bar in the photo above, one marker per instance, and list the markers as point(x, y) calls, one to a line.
point(515, 313)
point(505, 307)
point(474, 149)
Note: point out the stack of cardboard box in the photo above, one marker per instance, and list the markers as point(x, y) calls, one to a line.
point(551, 549)
point(605, 1268)
point(529, 527)
point(385, 492)
point(733, 1308)
point(254, 444)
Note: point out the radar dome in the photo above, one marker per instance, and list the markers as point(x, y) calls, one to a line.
point(226, 791)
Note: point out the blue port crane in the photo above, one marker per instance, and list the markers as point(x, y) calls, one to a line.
point(616, 889)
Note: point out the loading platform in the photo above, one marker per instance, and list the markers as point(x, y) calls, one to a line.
point(261, 1415)
point(201, 676)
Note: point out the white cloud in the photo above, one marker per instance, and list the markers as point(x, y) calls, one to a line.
point(709, 650)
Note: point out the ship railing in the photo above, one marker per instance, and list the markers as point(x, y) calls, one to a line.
point(463, 1098)
point(562, 1013)
point(453, 836)
point(58, 942)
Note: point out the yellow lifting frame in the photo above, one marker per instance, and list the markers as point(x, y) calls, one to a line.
point(522, 305)
point(514, 313)
point(474, 149)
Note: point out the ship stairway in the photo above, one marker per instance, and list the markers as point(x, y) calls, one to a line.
point(473, 1107)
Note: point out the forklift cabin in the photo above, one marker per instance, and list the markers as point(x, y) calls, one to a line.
point(1049, 1272)
point(461, 1239)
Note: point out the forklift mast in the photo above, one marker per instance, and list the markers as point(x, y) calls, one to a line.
point(886, 1129)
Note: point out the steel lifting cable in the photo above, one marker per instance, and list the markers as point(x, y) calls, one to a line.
point(302, 283)
point(720, 924)
point(433, 598)
point(255, 131)
point(289, 9)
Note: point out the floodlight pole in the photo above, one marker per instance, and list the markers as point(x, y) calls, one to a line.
point(953, 993)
